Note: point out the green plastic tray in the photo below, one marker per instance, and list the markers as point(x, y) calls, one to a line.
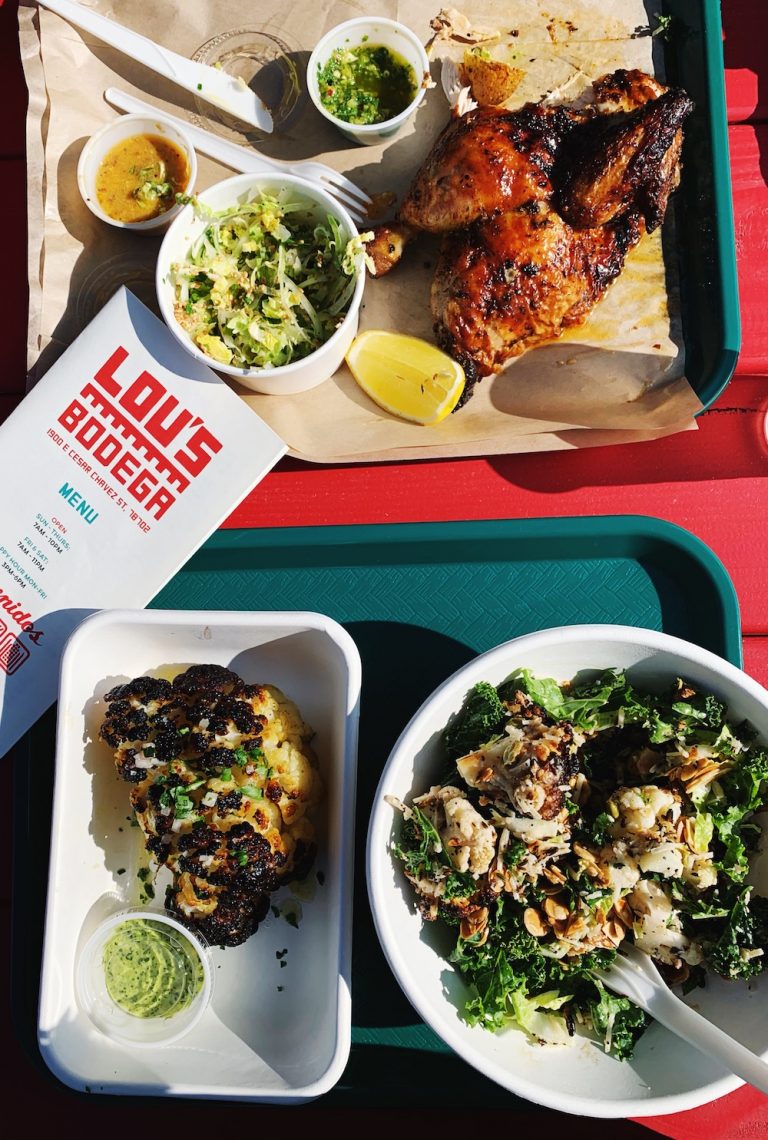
point(420, 600)
point(693, 59)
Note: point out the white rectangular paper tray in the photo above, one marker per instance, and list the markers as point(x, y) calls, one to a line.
point(256, 1041)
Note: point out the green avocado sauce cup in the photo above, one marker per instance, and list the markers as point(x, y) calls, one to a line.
point(143, 978)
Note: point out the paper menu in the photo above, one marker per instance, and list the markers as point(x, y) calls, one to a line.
point(119, 463)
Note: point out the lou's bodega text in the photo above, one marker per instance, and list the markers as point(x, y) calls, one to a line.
point(138, 431)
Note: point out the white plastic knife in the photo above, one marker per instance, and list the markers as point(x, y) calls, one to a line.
point(224, 91)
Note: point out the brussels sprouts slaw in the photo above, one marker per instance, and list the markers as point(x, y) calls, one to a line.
point(571, 817)
point(267, 282)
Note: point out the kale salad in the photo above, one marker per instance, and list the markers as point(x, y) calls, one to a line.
point(571, 817)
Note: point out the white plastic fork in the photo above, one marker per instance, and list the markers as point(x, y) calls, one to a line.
point(246, 160)
point(634, 975)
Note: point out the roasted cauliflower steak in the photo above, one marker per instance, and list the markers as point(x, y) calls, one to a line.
point(223, 782)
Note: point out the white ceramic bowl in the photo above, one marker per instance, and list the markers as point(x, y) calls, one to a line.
point(271, 1033)
point(187, 227)
point(375, 31)
point(113, 1021)
point(99, 145)
point(665, 1075)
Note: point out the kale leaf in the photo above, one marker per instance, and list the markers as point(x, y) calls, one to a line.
point(459, 885)
point(745, 931)
point(619, 1022)
point(514, 852)
point(599, 828)
point(494, 979)
point(603, 702)
point(480, 718)
point(420, 849)
point(743, 793)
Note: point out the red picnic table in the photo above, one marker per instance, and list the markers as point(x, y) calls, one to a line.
point(711, 482)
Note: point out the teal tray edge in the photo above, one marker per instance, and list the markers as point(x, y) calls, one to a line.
point(693, 54)
point(605, 534)
point(725, 235)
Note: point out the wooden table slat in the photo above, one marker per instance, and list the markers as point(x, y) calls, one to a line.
point(749, 178)
point(745, 48)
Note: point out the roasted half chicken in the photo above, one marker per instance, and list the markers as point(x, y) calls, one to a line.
point(538, 209)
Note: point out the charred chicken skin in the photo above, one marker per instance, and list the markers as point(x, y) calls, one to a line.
point(538, 209)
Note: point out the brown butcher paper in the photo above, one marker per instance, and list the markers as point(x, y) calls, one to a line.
point(619, 377)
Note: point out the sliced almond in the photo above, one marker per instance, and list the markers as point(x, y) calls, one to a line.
point(510, 882)
point(696, 770)
point(581, 789)
point(623, 912)
point(584, 853)
point(576, 927)
point(555, 910)
point(614, 931)
point(535, 923)
point(475, 922)
point(703, 779)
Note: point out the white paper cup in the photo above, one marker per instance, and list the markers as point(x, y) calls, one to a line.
point(285, 379)
point(100, 144)
point(376, 32)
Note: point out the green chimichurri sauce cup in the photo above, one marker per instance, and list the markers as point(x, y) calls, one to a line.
point(143, 978)
point(368, 76)
point(366, 84)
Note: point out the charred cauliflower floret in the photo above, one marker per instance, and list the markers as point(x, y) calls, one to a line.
point(133, 706)
point(530, 766)
point(223, 778)
point(657, 926)
point(204, 680)
point(468, 840)
point(140, 726)
point(450, 852)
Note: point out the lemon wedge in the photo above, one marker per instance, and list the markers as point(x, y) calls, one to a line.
point(406, 376)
